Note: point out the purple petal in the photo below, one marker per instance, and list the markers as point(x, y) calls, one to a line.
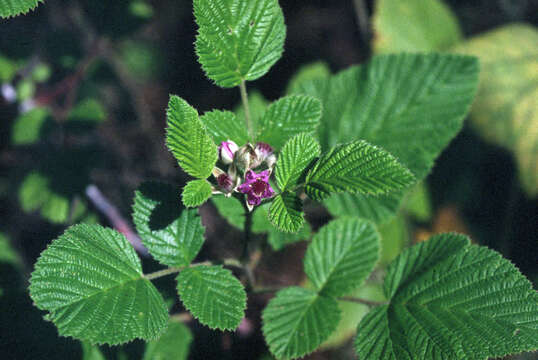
point(250, 176)
point(268, 192)
point(244, 188)
point(253, 199)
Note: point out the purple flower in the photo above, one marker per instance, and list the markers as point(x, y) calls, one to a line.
point(227, 151)
point(225, 183)
point(256, 186)
point(264, 150)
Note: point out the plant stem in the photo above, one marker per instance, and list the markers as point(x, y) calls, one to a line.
point(244, 99)
point(362, 301)
point(164, 272)
point(362, 20)
point(245, 255)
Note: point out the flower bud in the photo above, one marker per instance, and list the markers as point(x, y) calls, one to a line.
point(246, 157)
point(227, 150)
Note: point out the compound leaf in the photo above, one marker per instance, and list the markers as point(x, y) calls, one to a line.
point(224, 125)
point(213, 295)
point(196, 192)
point(188, 140)
point(90, 281)
point(174, 344)
point(342, 255)
point(172, 234)
point(411, 105)
point(287, 117)
point(286, 212)
point(357, 167)
point(294, 159)
point(238, 40)
point(10, 8)
point(451, 300)
point(414, 25)
point(296, 321)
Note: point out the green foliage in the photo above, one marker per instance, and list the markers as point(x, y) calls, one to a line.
point(91, 352)
point(297, 321)
point(287, 117)
point(378, 209)
point(394, 238)
point(88, 111)
point(357, 167)
point(28, 127)
point(238, 40)
point(341, 256)
point(451, 299)
point(141, 9)
point(286, 212)
point(90, 281)
point(307, 73)
point(418, 203)
point(172, 234)
point(279, 239)
point(36, 193)
point(257, 105)
point(213, 295)
point(187, 139)
point(174, 344)
point(196, 192)
point(414, 25)
point(25, 89)
point(232, 210)
point(8, 69)
point(504, 111)
point(411, 105)
point(294, 159)
point(7, 253)
point(223, 126)
point(9, 8)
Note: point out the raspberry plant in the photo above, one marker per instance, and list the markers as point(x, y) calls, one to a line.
point(355, 141)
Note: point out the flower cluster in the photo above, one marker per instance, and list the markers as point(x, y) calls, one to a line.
point(244, 161)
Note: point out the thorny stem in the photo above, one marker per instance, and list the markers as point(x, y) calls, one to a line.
point(362, 301)
point(244, 99)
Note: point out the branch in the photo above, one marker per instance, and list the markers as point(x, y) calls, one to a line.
point(370, 303)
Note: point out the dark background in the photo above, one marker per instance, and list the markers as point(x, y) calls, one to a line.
point(477, 181)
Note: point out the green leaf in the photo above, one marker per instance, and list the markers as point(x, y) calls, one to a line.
point(287, 117)
point(286, 212)
point(504, 112)
point(88, 111)
point(342, 255)
point(196, 192)
point(224, 125)
point(172, 234)
point(188, 140)
point(8, 69)
point(10, 8)
point(91, 352)
point(213, 295)
point(7, 253)
point(414, 26)
point(314, 71)
point(418, 203)
point(279, 239)
point(90, 281)
point(379, 208)
point(232, 210)
point(238, 40)
point(296, 321)
point(394, 238)
point(294, 159)
point(357, 167)
point(451, 300)
point(28, 127)
point(36, 193)
point(257, 105)
point(411, 105)
point(174, 344)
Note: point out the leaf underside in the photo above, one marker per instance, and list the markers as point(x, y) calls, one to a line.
point(213, 295)
point(238, 40)
point(172, 234)
point(451, 300)
point(90, 281)
point(296, 321)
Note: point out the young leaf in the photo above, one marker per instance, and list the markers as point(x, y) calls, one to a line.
point(414, 26)
point(504, 111)
point(294, 159)
point(213, 295)
point(342, 255)
point(224, 125)
point(357, 167)
point(297, 321)
point(238, 40)
point(29, 126)
point(188, 140)
point(196, 192)
point(174, 344)
point(90, 281)
point(286, 212)
point(172, 234)
point(287, 117)
point(411, 105)
point(10, 8)
point(451, 300)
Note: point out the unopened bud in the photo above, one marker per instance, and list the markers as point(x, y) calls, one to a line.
point(227, 150)
point(246, 157)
